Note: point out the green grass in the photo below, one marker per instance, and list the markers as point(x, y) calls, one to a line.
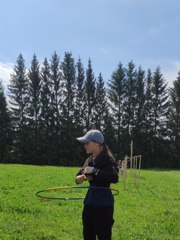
point(150, 212)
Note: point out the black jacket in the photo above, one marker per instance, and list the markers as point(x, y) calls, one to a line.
point(107, 173)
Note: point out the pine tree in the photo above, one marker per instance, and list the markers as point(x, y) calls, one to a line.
point(5, 128)
point(90, 100)
point(18, 92)
point(56, 99)
point(140, 99)
point(80, 99)
point(110, 134)
point(174, 123)
point(101, 104)
point(68, 107)
point(160, 110)
point(45, 113)
point(116, 94)
point(160, 101)
point(148, 122)
point(148, 106)
point(130, 98)
point(79, 112)
point(18, 105)
point(34, 107)
point(139, 116)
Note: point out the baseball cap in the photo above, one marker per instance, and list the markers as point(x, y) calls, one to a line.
point(92, 135)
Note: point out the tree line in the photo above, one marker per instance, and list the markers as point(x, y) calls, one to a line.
point(49, 105)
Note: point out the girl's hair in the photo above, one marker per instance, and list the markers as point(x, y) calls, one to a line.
point(107, 151)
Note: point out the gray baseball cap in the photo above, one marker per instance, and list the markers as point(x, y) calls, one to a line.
point(92, 135)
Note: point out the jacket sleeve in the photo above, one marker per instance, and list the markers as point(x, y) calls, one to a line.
point(109, 174)
point(80, 172)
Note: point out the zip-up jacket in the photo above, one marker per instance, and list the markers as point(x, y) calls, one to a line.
point(106, 173)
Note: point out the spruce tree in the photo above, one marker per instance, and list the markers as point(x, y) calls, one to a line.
point(160, 101)
point(148, 122)
point(34, 91)
point(80, 98)
point(116, 94)
point(110, 134)
point(139, 117)
point(174, 123)
point(90, 101)
point(101, 104)
point(130, 99)
point(140, 99)
point(160, 111)
point(18, 96)
point(79, 113)
point(68, 107)
point(56, 98)
point(148, 106)
point(5, 128)
point(45, 113)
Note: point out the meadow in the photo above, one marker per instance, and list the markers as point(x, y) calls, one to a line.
point(147, 212)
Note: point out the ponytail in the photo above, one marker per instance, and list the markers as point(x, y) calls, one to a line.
point(107, 151)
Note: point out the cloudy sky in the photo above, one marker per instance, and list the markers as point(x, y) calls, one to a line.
point(107, 31)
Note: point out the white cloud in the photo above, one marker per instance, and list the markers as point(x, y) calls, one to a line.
point(169, 67)
point(156, 30)
point(106, 51)
point(5, 70)
point(171, 72)
point(153, 32)
point(135, 2)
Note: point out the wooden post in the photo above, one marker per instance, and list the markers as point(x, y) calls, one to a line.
point(124, 172)
point(131, 156)
point(139, 168)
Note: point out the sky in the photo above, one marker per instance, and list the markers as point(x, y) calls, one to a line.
point(106, 31)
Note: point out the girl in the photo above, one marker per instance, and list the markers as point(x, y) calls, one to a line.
point(100, 170)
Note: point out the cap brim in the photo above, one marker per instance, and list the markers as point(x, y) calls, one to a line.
point(82, 139)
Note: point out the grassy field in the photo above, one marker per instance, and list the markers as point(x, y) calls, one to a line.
point(150, 212)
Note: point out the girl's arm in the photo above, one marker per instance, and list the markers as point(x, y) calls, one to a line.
point(109, 175)
point(81, 178)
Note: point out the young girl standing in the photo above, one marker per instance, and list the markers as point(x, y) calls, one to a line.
point(100, 170)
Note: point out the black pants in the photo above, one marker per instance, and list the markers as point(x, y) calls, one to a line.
point(97, 221)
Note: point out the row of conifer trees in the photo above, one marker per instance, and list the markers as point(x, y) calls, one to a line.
point(50, 104)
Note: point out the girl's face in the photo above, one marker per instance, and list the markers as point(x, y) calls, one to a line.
point(91, 147)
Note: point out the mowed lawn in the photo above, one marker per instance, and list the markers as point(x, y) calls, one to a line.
point(149, 211)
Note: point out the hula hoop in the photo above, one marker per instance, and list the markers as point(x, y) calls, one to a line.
point(116, 192)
